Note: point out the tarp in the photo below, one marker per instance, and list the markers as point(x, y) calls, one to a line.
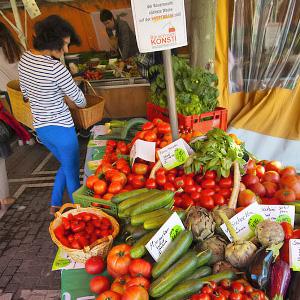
point(267, 119)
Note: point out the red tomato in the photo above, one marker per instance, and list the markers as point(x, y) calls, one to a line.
point(207, 290)
point(288, 230)
point(258, 189)
point(157, 121)
point(189, 189)
point(246, 297)
point(119, 177)
point(110, 173)
point(162, 171)
point(151, 183)
point(284, 252)
point(195, 196)
point(99, 284)
point(210, 175)
point(109, 295)
point(271, 176)
point(285, 195)
point(141, 281)
point(290, 182)
point(213, 285)
point(109, 150)
point(257, 295)
point(246, 197)
point(173, 171)
point(207, 202)
point(141, 169)
point(296, 234)
point(263, 162)
point(226, 183)
point(270, 201)
point(115, 188)
point(249, 180)
point(179, 182)
point(225, 192)
point(219, 199)
point(274, 165)
point(161, 179)
point(138, 181)
point(124, 149)
point(271, 189)
point(251, 166)
point(248, 289)
point(163, 128)
point(111, 143)
point(119, 259)
point(112, 273)
point(90, 181)
point(208, 184)
point(260, 171)
point(140, 268)
point(188, 180)
point(125, 169)
point(100, 187)
point(150, 136)
point(178, 201)
point(186, 202)
point(130, 178)
point(226, 284)
point(208, 192)
point(242, 187)
point(169, 186)
point(201, 296)
point(94, 265)
point(135, 292)
point(289, 170)
point(199, 178)
point(170, 177)
point(148, 126)
point(237, 287)
point(235, 296)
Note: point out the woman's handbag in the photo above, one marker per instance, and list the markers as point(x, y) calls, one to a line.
point(6, 132)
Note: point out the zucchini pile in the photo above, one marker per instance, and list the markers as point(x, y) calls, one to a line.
point(180, 272)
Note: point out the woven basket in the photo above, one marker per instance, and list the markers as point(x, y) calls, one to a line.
point(100, 248)
point(20, 109)
point(86, 117)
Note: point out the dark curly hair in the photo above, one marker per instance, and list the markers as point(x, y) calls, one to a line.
point(105, 15)
point(50, 34)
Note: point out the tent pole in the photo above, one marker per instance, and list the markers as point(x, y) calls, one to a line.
point(18, 23)
point(170, 87)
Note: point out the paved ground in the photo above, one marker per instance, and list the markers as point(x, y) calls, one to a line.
point(26, 249)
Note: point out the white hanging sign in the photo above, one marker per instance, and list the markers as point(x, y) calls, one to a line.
point(31, 8)
point(159, 24)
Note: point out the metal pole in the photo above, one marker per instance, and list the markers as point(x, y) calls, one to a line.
point(170, 87)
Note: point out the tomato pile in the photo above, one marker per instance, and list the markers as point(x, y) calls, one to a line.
point(131, 275)
point(229, 290)
point(267, 182)
point(93, 75)
point(81, 230)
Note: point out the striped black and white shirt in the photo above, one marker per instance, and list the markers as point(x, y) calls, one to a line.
point(45, 82)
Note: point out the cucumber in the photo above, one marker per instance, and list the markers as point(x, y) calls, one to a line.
point(136, 199)
point(122, 215)
point(180, 270)
point(204, 257)
point(218, 277)
point(297, 206)
point(183, 290)
point(131, 123)
point(174, 251)
point(200, 272)
point(157, 201)
point(118, 198)
point(140, 219)
point(139, 248)
point(138, 232)
point(157, 222)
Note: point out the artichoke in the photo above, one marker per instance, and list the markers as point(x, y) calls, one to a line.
point(269, 232)
point(201, 223)
point(229, 212)
point(217, 246)
point(239, 252)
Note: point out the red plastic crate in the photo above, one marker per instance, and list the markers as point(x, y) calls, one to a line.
point(217, 118)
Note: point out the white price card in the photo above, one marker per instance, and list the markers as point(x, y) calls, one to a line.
point(175, 154)
point(164, 236)
point(159, 24)
point(96, 143)
point(31, 8)
point(142, 149)
point(94, 164)
point(279, 213)
point(294, 254)
point(272, 35)
point(245, 222)
point(63, 261)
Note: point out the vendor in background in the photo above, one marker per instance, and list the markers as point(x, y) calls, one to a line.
point(45, 82)
point(121, 37)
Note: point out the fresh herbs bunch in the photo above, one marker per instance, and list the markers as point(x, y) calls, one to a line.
point(195, 88)
point(216, 151)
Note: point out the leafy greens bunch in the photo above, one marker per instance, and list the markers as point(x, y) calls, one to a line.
point(195, 88)
point(217, 151)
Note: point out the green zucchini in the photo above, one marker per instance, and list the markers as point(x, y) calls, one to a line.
point(131, 123)
point(185, 266)
point(157, 222)
point(204, 257)
point(157, 201)
point(136, 199)
point(140, 219)
point(138, 232)
point(118, 198)
point(297, 206)
point(122, 214)
point(200, 272)
point(139, 248)
point(183, 290)
point(174, 251)
point(218, 277)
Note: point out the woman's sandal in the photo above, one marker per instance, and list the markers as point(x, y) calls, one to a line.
point(54, 209)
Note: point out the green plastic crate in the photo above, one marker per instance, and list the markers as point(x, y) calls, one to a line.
point(80, 197)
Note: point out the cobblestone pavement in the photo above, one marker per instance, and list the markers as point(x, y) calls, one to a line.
point(26, 249)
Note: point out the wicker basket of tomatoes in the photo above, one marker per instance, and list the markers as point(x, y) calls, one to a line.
point(83, 232)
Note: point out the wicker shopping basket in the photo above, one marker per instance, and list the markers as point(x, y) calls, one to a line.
point(85, 117)
point(100, 248)
point(21, 110)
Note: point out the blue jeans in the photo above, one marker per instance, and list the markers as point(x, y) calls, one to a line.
point(63, 143)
